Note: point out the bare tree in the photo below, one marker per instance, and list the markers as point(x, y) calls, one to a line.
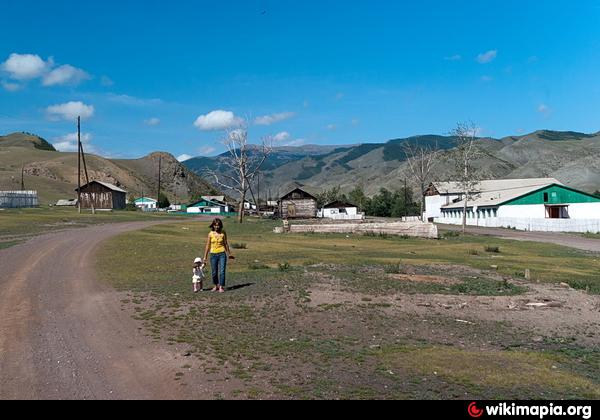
point(243, 162)
point(421, 161)
point(467, 176)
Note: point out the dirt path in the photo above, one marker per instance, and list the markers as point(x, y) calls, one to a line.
point(63, 334)
point(564, 239)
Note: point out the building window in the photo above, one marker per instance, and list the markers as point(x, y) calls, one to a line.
point(546, 197)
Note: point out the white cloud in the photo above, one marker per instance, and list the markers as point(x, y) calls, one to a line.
point(26, 66)
point(281, 137)
point(487, 57)
point(106, 81)
point(68, 143)
point(132, 100)
point(11, 87)
point(296, 143)
point(152, 122)
point(274, 118)
point(207, 150)
point(65, 75)
point(332, 127)
point(455, 57)
point(184, 157)
point(69, 111)
point(218, 120)
point(545, 110)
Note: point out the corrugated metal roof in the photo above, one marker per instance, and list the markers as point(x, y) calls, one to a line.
point(107, 185)
point(503, 193)
point(496, 185)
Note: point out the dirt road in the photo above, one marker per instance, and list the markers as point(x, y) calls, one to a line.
point(564, 239)
point(63, 334)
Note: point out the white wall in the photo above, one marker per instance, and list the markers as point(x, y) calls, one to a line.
point(434, 204)
point(529, 211)
point(350, 214)
point(584, 211)
point(530, 224)
point(204, 210)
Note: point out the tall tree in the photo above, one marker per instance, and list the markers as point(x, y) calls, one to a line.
point(421, 161)
point(244, 160)
point(467, 175)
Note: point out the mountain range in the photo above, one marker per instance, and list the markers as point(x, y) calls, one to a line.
point(571, 157)
point(54, 174)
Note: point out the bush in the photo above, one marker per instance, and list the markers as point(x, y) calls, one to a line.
point(492, 249)
point(258, 266)
point(239, 246)
point(473, 252)
point(131, 207)
point(285, 267)
point(393, 269)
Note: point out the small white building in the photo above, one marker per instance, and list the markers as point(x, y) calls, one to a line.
point(146, 203)
point(339, 210)
point(210, 207)
point(542, 205)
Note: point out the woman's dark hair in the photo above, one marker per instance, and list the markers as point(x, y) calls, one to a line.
point(215, 224)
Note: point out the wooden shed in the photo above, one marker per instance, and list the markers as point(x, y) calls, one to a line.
point(298, 204)
point(104, 196)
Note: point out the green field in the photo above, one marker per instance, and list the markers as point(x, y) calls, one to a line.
point(19, 224)
point(317, 316)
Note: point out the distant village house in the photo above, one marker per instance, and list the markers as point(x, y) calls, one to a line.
point(146, 203)
point(339, 210)
point(298, 204)
point(103, 196)
point(211, 205)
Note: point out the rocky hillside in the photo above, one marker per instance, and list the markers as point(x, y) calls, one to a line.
point(54, 174)
point(573, 158)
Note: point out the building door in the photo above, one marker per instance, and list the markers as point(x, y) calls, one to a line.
point(291, 209)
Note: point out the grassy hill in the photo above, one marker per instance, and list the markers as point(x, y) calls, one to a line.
point(573, 158)
point(54, 174)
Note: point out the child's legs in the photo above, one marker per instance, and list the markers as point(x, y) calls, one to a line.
point(214, 266)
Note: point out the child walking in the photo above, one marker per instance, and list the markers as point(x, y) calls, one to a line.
point(198, 274)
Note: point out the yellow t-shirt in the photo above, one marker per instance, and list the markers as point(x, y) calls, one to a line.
point(217, 243)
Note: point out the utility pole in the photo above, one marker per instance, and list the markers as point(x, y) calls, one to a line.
point(159, 179)
point(23, 177)
point(79, 163)
point(87, 178)
point(258, 193)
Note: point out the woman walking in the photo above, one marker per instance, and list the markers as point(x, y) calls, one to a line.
point(218, 248)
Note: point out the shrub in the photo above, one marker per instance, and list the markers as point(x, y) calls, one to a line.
point(239, 246)
point(393, 269)
point(473, 252)
point(285, 267)
point(258, 266)
point(492, 249)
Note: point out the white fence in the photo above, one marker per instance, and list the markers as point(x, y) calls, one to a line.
point(18, 199)
point(530, 225)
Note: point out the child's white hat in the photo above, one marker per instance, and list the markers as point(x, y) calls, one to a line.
point(198, 260)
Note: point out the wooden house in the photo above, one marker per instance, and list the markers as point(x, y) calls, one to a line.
point(298, 204)
point(103, 196)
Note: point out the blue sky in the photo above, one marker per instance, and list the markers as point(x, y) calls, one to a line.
point(155, 75)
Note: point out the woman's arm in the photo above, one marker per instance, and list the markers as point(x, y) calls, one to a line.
point(227, 246)
point(207, 249)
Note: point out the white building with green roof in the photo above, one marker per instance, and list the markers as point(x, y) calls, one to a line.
point(531, 204)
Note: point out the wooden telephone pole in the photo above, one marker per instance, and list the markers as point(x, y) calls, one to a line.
point(159, 179)
point(79, 164)
point(23, 177)
point(82, 158)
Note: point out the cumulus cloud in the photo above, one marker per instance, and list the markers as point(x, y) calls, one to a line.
point(487, 57)
point(11, 87)
point(218, 120)
point(274, 118)
point(296, 143)
point(65, 75)
point(545, 110)
point(152, 122)
point(184, 157)
point(455, 57)
point(68, 143)
point(26, 66)
point(70, 111)
point(282, 137)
